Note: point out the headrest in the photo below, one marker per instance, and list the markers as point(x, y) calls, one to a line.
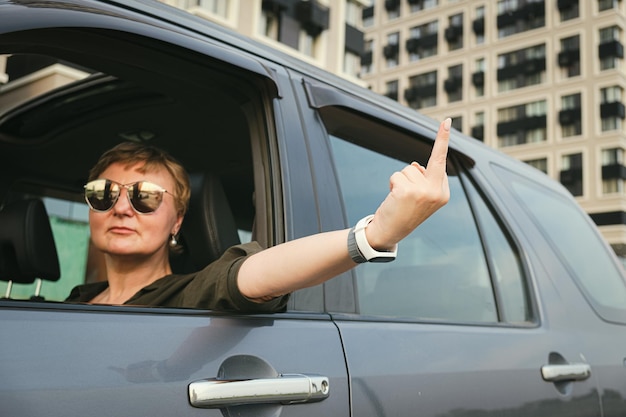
point(27, 248)
point(209, 226)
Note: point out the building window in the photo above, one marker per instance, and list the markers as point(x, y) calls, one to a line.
point(515, 16)
point(417, 5)
point(613, 171)
point(478, 77)
point(457, 123)
point(478, 25)
point(391, 89)
point(217, 7)
point(611, 108)
point(607, 5)
point(570, 115)
point(367, 57)
point(354, 13)
point(270, 22)
point(454, 32)
point(569, 57)
point(351, 63)
point(393, 9)
point(478, 130)
point(525, 123)
point(391, 50)
point(422, 41)
point(296, 25)
point(610, 49)
point(541, 164)
point(422, 91)
point(568, 9)
point(571, 175)
point(367, 16)
point(521, 68)
point(454, 84)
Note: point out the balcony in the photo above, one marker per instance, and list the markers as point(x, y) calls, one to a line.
point(569, 57)
point(478, 78)
point(527, 13)
point(569, 116)
point(412, 93)
point(391, 50)
point(613, 171)
point(452, 33)
point(611, 49)
point(478, 26)
point(521, 125)
point(391, 5)
point(366, 58)
point(571, 176)
point(412, 45)
point(613, 109)
point(478, 132)
point(453, 84)
point(566, 4)
point(528, 67)
point(312, 16)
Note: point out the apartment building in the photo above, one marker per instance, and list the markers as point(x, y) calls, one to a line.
point(326, 33)
point(541, 80)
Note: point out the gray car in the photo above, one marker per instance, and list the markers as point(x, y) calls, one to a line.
point(506, 302)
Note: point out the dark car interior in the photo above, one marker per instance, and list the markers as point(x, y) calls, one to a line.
point(205, 114)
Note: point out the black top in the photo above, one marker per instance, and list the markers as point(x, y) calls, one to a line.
point(213, 288)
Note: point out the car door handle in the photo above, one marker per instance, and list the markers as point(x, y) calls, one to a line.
point(283, 389)
point(566, 372)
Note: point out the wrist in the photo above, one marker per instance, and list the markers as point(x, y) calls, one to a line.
point(360, 249)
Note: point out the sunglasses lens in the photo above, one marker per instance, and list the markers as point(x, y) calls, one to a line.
point(145, 197)
point(101, 194)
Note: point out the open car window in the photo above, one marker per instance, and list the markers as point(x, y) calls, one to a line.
point(60, 108)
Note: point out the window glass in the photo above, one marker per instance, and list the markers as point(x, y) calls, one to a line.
point(440, 273)
point(575, 241)
point(505, 263)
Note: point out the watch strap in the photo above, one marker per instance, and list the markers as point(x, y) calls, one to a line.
point(359, 248)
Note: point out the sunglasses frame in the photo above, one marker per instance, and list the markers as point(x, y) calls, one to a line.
point(130, 186)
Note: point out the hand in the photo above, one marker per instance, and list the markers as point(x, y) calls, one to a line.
point(415, 193)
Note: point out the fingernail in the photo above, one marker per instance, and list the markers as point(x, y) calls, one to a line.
point(447, 123)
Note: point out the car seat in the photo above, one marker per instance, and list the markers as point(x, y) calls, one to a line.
point(209, 226)
point(27, 248)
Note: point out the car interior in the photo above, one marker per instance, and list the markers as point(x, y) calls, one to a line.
point(65, 105)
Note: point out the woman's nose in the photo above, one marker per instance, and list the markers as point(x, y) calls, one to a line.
point(122, 205)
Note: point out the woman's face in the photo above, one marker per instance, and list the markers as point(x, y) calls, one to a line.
point(123, 231)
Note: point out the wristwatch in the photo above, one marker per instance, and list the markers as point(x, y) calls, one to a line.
point(360, 249)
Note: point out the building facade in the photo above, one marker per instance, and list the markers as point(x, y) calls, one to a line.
point(541, 80)
point(326, 33)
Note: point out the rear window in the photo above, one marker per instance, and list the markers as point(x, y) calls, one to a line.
point(577, 243)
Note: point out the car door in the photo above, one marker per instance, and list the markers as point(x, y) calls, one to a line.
point(62, 361)
point(59, 359)
point(467, 320)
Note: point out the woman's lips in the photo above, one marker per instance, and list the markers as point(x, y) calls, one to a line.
point(121, 230)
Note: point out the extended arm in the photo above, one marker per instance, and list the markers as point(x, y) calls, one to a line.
point(415, 193)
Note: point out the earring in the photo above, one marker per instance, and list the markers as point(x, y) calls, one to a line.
point(173, 241)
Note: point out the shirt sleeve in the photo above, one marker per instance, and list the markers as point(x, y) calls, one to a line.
point(215, 287)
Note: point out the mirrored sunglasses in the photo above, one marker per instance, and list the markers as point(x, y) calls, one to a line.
point(144, 197)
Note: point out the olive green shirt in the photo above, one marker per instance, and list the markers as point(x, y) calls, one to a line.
point(213, 288)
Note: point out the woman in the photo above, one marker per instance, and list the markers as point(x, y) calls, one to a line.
point(135, 231)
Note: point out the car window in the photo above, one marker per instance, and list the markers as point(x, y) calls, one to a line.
point(576, 242)
point(441, 272)
point(61, 108)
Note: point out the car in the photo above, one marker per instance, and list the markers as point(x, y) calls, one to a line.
point(507, 301)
